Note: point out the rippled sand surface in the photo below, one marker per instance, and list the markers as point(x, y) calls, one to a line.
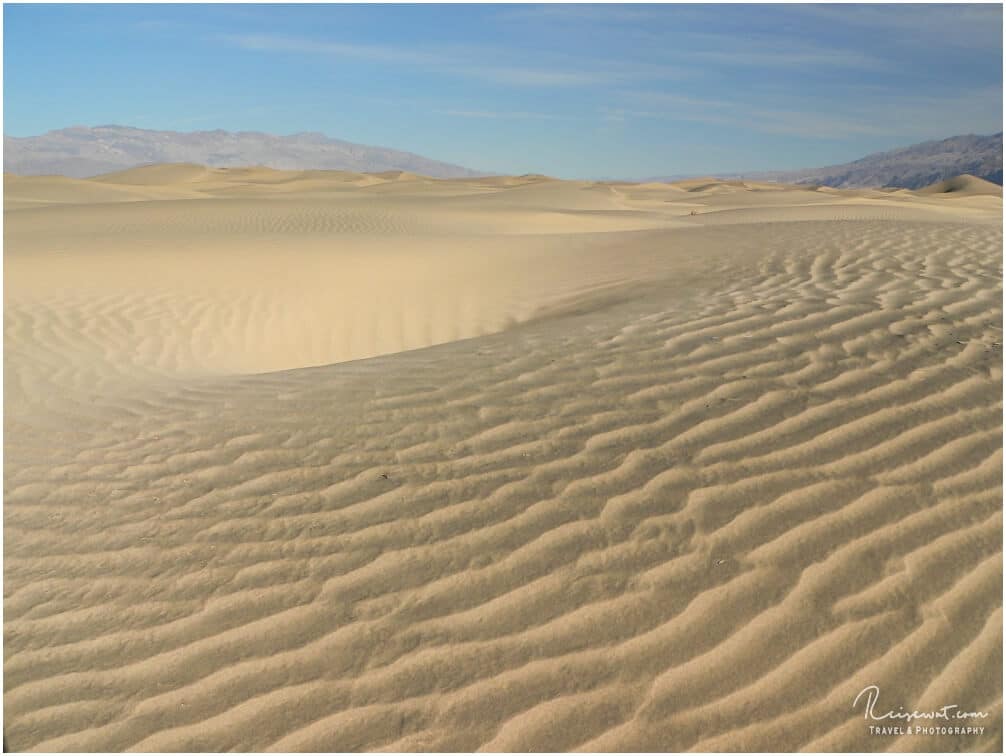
point(325, 461)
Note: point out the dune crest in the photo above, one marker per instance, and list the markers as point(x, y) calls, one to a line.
point(964, 185)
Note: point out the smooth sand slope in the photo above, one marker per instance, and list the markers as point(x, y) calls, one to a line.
point(304, 460)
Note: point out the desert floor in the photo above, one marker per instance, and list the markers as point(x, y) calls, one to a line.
point(326, 461)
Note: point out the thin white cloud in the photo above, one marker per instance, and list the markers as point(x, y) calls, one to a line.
point(458, 62)
point(373, 53)
point(573, 13)
point(781, 58)
point(769, 50)
point(156, 25)
point(530, 77)
point(957, 24)
point(493, 115)
point(883, 114)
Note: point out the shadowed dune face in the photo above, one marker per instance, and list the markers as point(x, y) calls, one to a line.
point(299, 461)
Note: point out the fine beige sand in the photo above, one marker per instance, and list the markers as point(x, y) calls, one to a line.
point(311, 460)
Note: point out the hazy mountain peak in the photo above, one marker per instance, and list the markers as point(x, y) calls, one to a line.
point(912, 167)
point(81, 151)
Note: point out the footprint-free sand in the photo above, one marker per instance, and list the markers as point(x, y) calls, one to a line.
point(309, 460)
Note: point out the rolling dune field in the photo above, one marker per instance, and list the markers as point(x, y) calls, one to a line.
point(320, 461)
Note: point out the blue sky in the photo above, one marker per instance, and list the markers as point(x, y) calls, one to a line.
point(570, 90)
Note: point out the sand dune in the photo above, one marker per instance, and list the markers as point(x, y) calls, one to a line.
point(308, 460)
point(964, 185)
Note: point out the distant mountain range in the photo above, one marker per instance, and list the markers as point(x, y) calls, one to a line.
point(907, 168)
point(81, 151)
point(911, 167)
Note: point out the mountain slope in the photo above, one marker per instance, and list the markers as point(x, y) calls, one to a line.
point(911, 167)
point(81, 151)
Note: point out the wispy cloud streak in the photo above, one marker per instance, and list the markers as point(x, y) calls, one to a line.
point(879, 115)
point(495, 114)
point(459, 63)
